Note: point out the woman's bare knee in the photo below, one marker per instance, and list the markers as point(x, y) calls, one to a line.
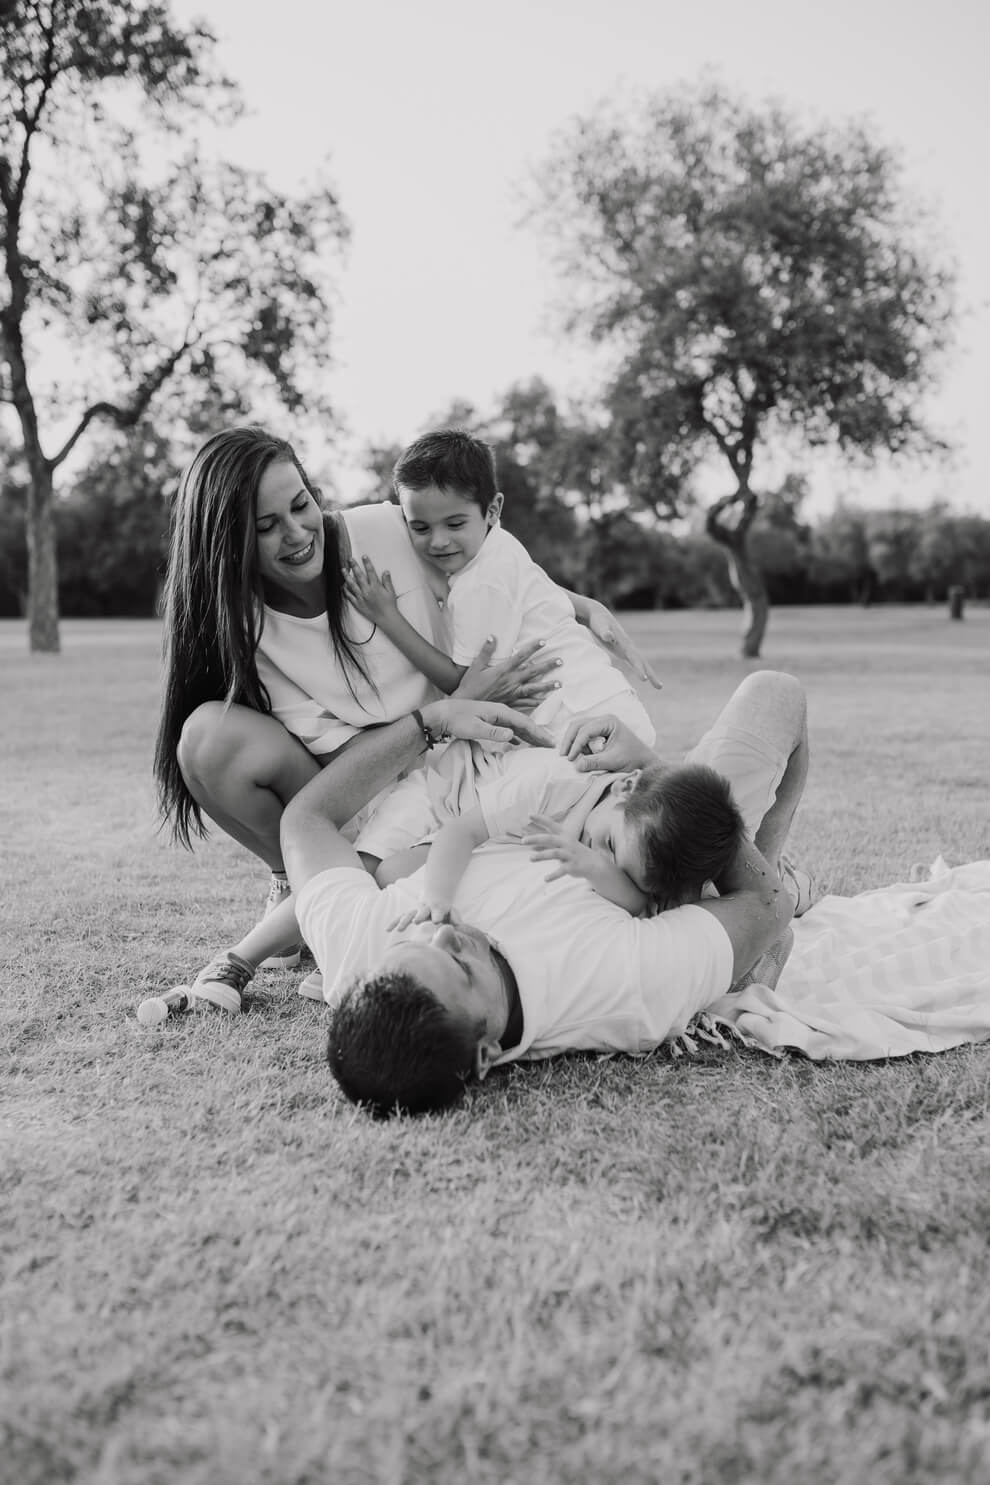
point(204, 743)
point(226, 749)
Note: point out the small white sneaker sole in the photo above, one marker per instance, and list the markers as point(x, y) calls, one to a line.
point(292, 960)
point(312, 986)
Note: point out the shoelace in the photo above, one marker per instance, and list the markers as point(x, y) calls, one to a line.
point(226, 973)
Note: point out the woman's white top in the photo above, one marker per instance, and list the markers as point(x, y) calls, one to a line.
point(312, 694)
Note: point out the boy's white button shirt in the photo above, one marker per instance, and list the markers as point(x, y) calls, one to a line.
point(503, 592)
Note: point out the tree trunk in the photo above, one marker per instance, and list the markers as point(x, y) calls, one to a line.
point(42, 557)
point(745, 576)
point(42, 561)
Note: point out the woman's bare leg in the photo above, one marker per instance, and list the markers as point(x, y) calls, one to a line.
point(242, 768)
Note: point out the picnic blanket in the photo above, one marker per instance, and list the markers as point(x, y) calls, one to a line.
point(898, 970)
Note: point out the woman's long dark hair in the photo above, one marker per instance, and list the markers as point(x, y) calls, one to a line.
point(214, 602)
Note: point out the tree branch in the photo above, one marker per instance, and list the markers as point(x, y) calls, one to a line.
point(123, 417)
point(734, 535)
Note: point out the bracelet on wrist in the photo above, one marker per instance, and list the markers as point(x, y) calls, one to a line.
point(430, 737)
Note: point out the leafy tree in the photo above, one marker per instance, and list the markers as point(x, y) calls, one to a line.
point(754, 277)
point(113, 527)
point(780, 542)
point(141, 259)
point(950, 550)
point(891, 539)
point(839, 561)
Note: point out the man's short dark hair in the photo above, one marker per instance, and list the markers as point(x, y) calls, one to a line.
point(394, 1048)
point(452, 459)
point(689, 829)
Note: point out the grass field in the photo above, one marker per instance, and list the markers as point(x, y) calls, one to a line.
point(727, 1269)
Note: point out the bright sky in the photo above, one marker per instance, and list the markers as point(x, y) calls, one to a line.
point(432, 111)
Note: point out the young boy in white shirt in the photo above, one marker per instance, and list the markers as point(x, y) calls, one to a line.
point(446, 485)
point(646, 840)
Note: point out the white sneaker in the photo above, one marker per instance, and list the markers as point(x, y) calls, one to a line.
point(289, 958)
point(222, 984)
point(312, 986)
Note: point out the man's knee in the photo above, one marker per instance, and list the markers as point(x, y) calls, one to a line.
point(777, 699)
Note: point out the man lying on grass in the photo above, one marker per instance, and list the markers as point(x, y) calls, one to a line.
point(532, 967)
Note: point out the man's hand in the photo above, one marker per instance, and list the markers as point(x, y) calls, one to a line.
point(611, 636)
point(521, 681)
point(488, 722)
point(604, 743)
point(371, 595)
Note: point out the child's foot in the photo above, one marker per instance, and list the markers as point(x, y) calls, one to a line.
point(288, 958)
point(312, 986)
point(799, 884)
point(767, 969)
point(222, 984)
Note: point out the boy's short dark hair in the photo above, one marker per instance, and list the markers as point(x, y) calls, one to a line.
point(454, 460)
point(394, 1048)
point(689, 829)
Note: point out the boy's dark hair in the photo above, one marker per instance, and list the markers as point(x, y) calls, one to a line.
point(394, 1048)
point(454, 460)
point(689, 828)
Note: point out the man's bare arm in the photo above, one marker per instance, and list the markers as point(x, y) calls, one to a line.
point(754, 909)
point(311, 839)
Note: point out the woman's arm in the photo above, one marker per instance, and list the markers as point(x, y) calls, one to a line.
point(610, 634)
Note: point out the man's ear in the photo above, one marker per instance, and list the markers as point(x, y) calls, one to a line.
point(494, 510)
point(486, 1053)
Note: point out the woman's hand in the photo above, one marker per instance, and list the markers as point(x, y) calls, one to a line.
point(371, 595)
point(522, 681)
point(604, 743)
point(610, 634)
point(488, 722)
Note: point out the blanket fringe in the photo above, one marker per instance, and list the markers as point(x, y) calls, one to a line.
point(712, 1029)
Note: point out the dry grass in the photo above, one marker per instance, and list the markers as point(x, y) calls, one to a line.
point(727, 1270)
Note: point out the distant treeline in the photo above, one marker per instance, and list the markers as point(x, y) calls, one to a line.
point(112, 535)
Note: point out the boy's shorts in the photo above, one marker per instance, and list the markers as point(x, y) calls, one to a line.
point(752, 765)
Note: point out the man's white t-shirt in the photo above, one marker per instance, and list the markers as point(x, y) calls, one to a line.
point(311, 693)
point(590, 977)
